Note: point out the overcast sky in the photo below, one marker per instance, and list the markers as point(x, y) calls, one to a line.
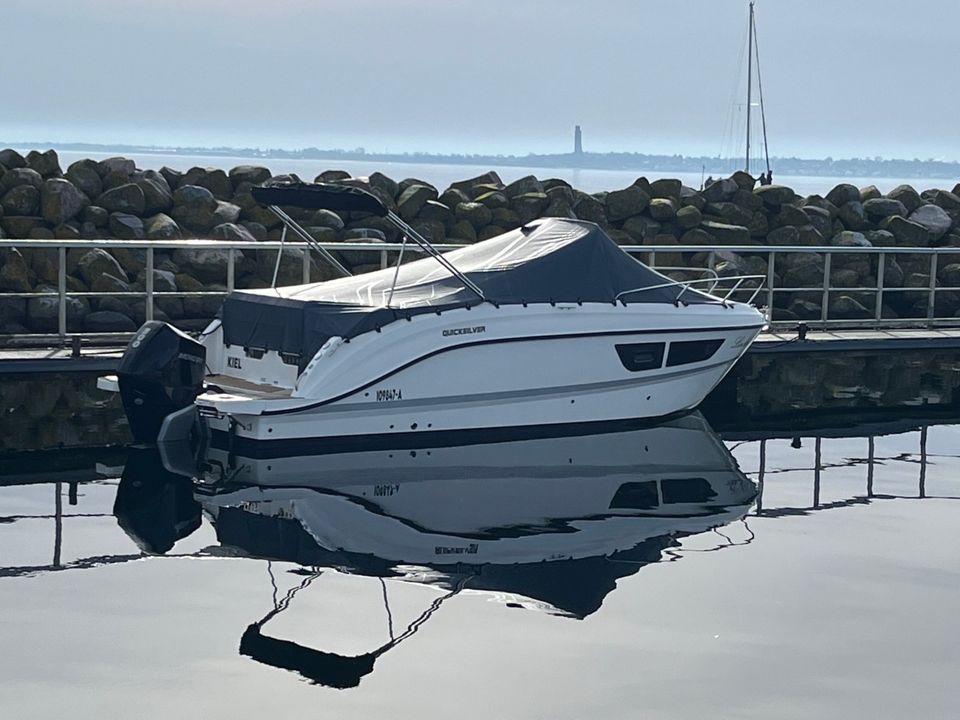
point(841, 78)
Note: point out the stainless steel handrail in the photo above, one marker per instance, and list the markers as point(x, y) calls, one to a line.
point(685, 285)
point(713, 254)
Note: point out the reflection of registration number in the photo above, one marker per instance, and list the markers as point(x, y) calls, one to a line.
point(382, 490)
point(389, 394)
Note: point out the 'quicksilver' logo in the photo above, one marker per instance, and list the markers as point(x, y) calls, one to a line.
point(465, 330)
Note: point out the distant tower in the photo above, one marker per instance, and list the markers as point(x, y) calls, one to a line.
point(577, 141)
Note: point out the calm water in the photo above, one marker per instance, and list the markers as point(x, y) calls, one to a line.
point(443, 175)
point(657, 573)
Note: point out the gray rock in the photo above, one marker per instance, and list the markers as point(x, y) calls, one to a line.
point(880, 238)
point(232, 232)
point(194, 208)
point(845, 307)
point(559, 208)
point(621, 204)
point(21, 200)
point(126, 198)
point(452, 197)
point(376, 235)
point(589, 208)
point(774, 196)
point(948, 201)
point(747, 200)
point(641, 228)
point(906, 232)
point(96, 262)
point(15, 274)
point(907, 196)
point(819, 218)
point(157, 197)
point(728, 212)
point(893, 275)
point(84, 175)
point(852, 215)
point(688, 217)
point(791, 215)
point(43, 312)
point(213, 179)
point(317, 232)
point(173, 177)
point(934, 219)
point(744, 180)
point(11, 159)
point(805, 309)
point(870, 192)
point(949, 275)
point(849, 238)
point(785, 235)
point(121, 165)
point(463, 231)
point(465, 186)
point(879, 208)
point(226, 213)
point(18, 226)
point(60, 201)
point(386, 185)
point(493, 199)
point(162, 227)
point(95, 215)
point(842, 194)
point(527, 184)
point(253, 174)
point(475, 213)
point(666, 188)
point(435, 211)
point(698, 236)
point(108, 283)
point(326, 218)
point(412, 200)
point(663, 208)
point(126, 226)
point(722, 190)
point(46, 163)
point(728, 234)
point(332, 176)
point(107, 321)
point(528, 206)
point(20, 176)
point(207, 265)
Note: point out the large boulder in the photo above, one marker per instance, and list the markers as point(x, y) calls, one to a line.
point(162, 227)
point(118, 165)
point(232, 232)
point(253, 174)
point(906, 196)
point(157, 197)
point(527, 184)
point(46, 163)
point(819, 218)
point(126, 226)
point(126, 198)
point(226, 213)
point(843, 193)
point(849, 238)
point(60, 201)
point(206, 265)
point(879, 208)
point(43, 312)
point(906, 232)
point(621, 204)
point(21, 200)
point(15, 273)
point(108, 321)
point(949, 275)
point(83, 174)
point(96, 262)
point(722, 190)
point(688, 217)
point(852, 215)
point(529, 206)
point(194, 207)
point(663, 208)
point(11, 159)
point(413, 198)
point(727, 234)
point(774, 196)
point(935, 219)
point(475, 213)
point(20, 176)
point(785, 235)
point(589, 208)
point(213, 179)
point(387, 186)
point(668, 188)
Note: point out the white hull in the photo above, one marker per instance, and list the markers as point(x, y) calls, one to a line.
point(476, 369)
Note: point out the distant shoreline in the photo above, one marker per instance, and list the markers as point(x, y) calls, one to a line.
point(639, 162)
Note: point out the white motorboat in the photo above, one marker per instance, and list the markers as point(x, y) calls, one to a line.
point(551, 324)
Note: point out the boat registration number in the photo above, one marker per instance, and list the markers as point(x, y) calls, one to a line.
point(389, 394)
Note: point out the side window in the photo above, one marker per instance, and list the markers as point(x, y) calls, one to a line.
point(686, 490)
point(641, 356)
point(636, 496)
point(691, 351)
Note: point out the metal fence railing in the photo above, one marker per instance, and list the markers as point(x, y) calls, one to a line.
point(826, 287)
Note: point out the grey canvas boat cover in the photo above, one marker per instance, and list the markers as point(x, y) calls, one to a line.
point(546, 261)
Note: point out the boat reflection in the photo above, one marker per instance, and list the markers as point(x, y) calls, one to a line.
point(549, 524)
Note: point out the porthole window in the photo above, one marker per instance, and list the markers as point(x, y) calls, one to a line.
point(636, 496)
point(641, 356)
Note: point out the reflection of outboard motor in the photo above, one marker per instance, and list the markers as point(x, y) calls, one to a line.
point(154, 506)
point(160, 372)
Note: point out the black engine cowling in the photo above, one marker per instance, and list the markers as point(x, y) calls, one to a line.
point(160, 372)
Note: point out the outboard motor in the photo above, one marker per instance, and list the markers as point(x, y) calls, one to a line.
point(160, 372)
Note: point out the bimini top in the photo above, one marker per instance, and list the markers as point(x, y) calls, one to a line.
point(548, 260)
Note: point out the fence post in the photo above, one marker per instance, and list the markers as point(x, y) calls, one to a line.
point(881, 271)
point(230, 270)
point(824, 308)
point(306, 266)
point(771, 259)
point(933, 288)
point(149, 302)
point(62, 294)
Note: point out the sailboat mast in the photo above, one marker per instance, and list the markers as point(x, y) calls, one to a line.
point(763, 113)
point(749, 83)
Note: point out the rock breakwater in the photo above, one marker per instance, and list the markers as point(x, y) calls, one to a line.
point(113, 198)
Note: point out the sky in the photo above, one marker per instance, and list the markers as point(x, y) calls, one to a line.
point(846, 78)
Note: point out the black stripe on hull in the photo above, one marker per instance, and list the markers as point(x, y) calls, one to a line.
point(426, 440)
